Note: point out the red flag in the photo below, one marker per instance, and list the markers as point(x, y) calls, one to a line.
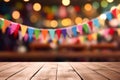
point(58, 32)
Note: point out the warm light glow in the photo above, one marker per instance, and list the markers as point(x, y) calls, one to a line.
point(16, 14)
point(118, 16)
point(110, 1)
point(66, 2)
point(26, 0)
point(103, 16)
point(37, 6)
point(33, 18)
point(85, 19)
point(78, 20)
point(54, 23)
point(88, 7)
point(6, 0)
point(66, 22)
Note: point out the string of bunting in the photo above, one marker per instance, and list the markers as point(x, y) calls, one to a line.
point(89, 27)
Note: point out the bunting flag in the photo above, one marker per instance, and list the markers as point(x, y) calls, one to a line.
point(90, 37)
point(114, 13)
point(58, 32)
point(13, 27)
point(85, 28)
point(96, 23)
point(109, 16)
point(118, 30)
point(30, 33)
point(23, 30)
point(37, 33)
point(44, 33)
point(89, 27)
point(90, 23)
point(52, 33)
point(80, 29)
point(69, 32)
point(6, 24)
point(81, 38)
point(26, 37)
point(16, 31)
point(1, 23)
point(94, 36)
point(64, 32)
point(74, 30)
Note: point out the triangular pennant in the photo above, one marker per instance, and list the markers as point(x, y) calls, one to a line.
point(37, 33)
point(85, 28)
point(64, 32)
point(6, 24)
point(109, 16)
point(80, 29)
point(44, 33)
point(52, 33)
point(30, 33)
point(111, 31)
point(74, 30)
point(114, 13)
point(90, 23)
point(94, 36)
point(89, 37)
point(96, 23)
point(13, 27)
point(1, 23)
point(23, 30)
point(16, 30)
point(58, 32)
point(69, 32)
point(81, 38)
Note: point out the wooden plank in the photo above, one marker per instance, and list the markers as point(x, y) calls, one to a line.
point(7, 66)
point(28, 72)
point(66, 72)
point(113, 67)
point(3, 63)
point(48, 72)
point(11, 71)
point(86, 73)
point(103, 71)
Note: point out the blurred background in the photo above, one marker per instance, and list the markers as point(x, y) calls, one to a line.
point(52, 14)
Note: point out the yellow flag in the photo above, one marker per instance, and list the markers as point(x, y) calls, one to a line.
point(81, 38)
point(94, 36)
point(23, 30)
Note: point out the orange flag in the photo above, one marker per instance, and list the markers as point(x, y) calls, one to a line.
point(6, 24)
point(23, 30)
point(89, 37)
point(44, 33)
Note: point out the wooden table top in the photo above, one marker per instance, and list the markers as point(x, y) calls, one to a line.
point(59, 70)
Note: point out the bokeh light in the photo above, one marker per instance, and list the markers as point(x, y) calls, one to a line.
point(66, 2)
point(37, 6)
point(66, 22)
point(16, 14)
point(26, 0)
point(88, 7)
point(6, 0)
point(95, 5)
point(53, 23)
point(104, 3)
point(78, 20)
point(33, 18)
point(110, 1)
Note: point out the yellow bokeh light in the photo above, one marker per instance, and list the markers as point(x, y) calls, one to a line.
point(66, 2)
point(6, 0)
point(78, 20)
point(118, 16)
point(66, 22)
point(88, 7)
point(110, 1)
point(37, 6)
point(26, 0)
point(16, 14)
point(53, 23)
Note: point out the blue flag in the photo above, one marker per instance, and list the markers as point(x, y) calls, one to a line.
point(96, 22)
point(52, 33)
point(64, 32)
point(30, 33)
point(74, 30)
point(109, 16)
